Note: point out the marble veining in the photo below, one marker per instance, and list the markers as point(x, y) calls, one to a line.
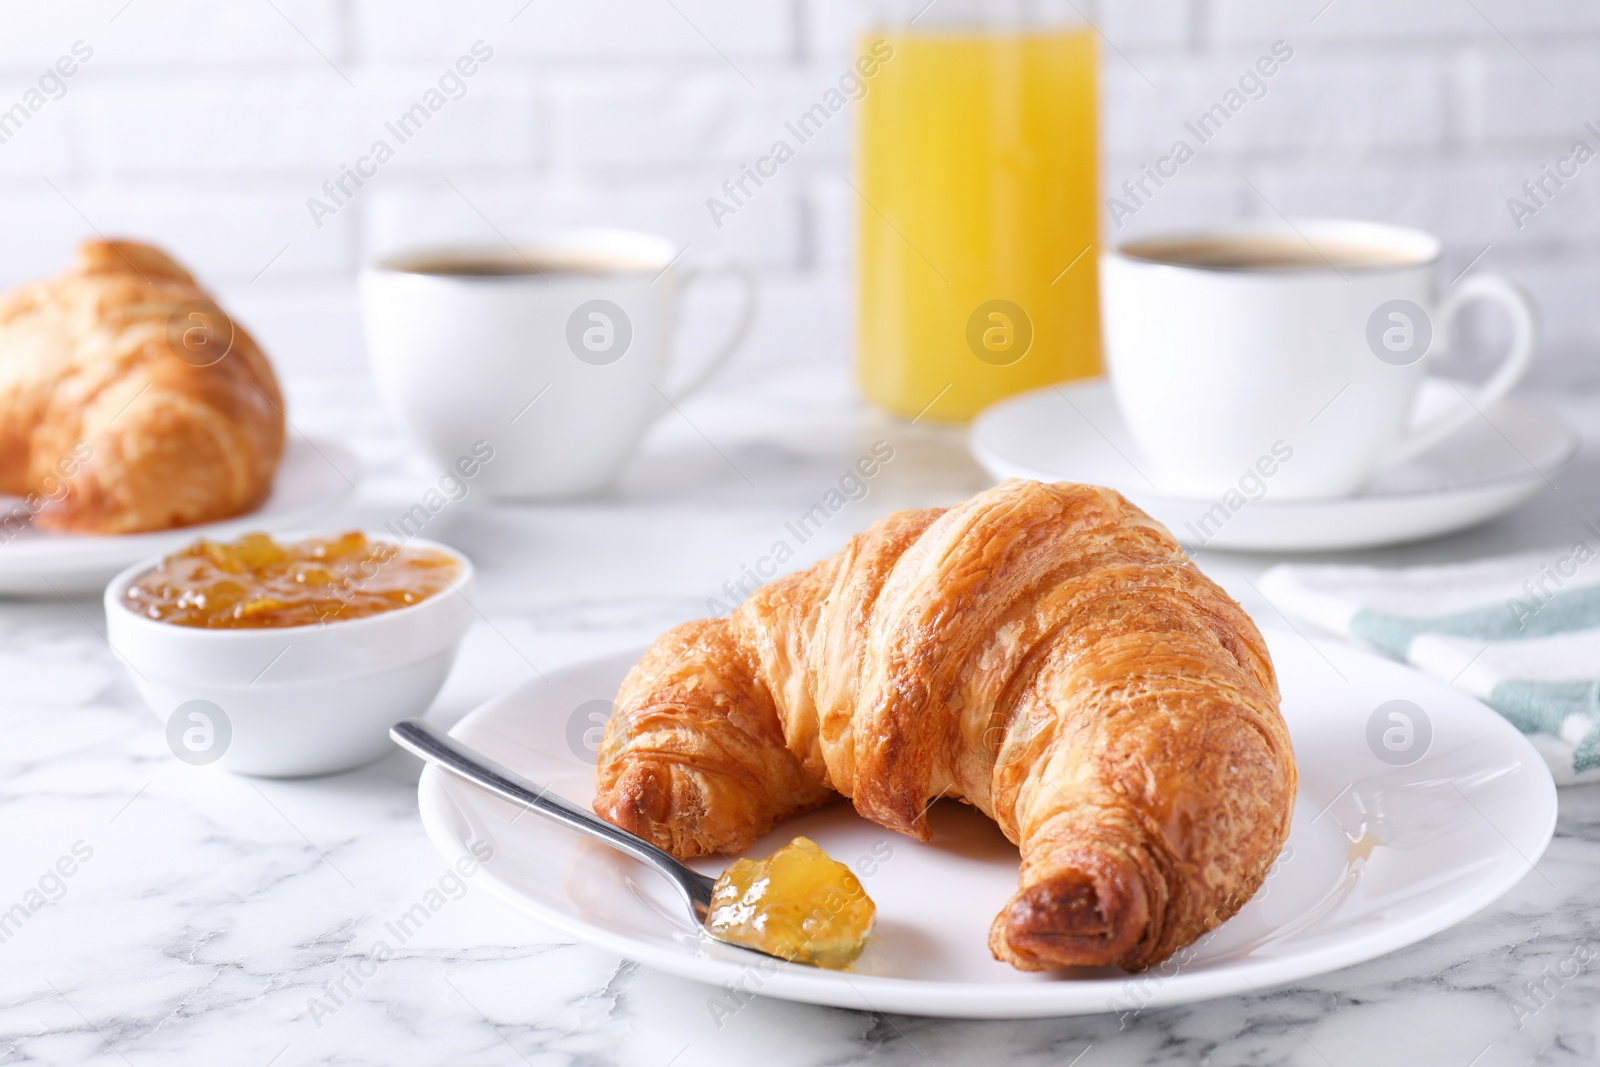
point(222, 920)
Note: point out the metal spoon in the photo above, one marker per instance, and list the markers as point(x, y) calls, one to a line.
point(437, 748)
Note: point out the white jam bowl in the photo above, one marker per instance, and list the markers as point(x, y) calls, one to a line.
point(292, 701)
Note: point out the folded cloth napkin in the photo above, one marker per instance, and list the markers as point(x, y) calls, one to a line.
point(1522, 634)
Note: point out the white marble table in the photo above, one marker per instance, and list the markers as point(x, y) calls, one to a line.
point(204, 911)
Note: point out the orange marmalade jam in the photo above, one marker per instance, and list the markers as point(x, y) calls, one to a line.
point(799, 904)
point(255, 583)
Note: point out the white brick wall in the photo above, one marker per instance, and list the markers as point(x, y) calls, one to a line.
point(205, 126)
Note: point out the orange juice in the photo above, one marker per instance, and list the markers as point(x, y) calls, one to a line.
point(978, 226)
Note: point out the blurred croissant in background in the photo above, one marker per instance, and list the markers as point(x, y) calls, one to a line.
point(129, 401)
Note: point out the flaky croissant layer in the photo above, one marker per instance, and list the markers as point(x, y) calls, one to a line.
point(1046, 653)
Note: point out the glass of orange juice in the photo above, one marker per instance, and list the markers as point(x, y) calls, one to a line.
point(977, 221)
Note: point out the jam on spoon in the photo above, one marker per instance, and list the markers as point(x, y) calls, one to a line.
point(798, 904)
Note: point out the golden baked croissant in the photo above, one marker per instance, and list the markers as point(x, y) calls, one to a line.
point(1046, 653)
point(104, 426)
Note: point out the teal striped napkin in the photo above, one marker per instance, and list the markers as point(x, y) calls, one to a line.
point(1522, 634)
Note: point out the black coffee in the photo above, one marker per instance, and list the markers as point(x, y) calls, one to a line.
point(1268, 252)
point(512, 263)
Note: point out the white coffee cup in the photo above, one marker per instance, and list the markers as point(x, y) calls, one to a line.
point(1300, 347)
point(554, 352)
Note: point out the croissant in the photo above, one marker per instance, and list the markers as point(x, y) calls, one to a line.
point(106, 424)
point(1046, 653)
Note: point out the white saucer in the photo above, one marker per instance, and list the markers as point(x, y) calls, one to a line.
point(314, 476)
point(1379, 856)
point(1075, 433)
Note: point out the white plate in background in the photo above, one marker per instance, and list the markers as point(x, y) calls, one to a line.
point(1379, 856)
point(1075, 433)
point(314, 476)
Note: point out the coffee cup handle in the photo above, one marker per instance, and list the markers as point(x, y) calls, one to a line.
point(736, 337)
point(1524, 339)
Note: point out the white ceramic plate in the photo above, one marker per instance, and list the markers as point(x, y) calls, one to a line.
point(1076, 433)
point(1379, 856)
point(314, 476)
